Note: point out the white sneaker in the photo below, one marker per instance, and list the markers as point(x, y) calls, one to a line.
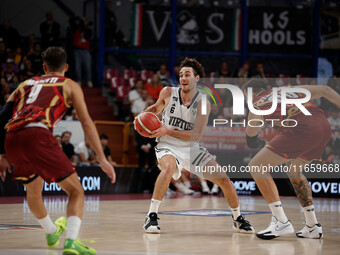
point(276, 229)
point(151, 224)
point(181, 187)
point(214, 190)
point(170, 192)
point(314, 232)
point(205, 190)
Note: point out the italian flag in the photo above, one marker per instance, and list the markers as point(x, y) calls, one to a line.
point(137, 22)
point(236, 35)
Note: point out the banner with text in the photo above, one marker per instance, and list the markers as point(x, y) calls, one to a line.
point(279, 30)
point(197, 28)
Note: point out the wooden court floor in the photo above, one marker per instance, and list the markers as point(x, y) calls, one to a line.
point(190, 225)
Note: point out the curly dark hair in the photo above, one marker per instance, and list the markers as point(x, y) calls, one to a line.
point(196, 66)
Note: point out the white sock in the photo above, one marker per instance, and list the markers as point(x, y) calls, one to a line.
point(278, 212)
point(310, 215)
point(154, 205)
point(73, 227)
point(187, 184)
point(204, 185)
point(236, 212)
point(48, 225)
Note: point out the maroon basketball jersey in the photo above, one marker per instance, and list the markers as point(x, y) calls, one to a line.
point(264, 101)
point(39, 99)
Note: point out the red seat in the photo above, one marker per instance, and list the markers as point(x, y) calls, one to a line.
point(129, 73)
point(116, 82)
point(122, 92)
point(132, 81)
point(145, 75)
point(283, 80)
point(301, 79)
point(110, 73)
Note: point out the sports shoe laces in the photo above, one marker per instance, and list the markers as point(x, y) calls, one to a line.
point(153, 216)
point(243, 222)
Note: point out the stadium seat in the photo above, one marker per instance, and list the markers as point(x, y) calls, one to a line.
point(116, 82)
point(283, 80)
point(110, 73)
point(301, 79)
point(122, 92)
point(145, 75)
point(129, 73)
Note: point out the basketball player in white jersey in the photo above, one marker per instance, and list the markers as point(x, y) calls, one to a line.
point(178, 146)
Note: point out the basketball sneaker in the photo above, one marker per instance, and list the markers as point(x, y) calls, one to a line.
point(182, 188)
point(53, 239)
point(242, 226)
point(75, 247)
point(151, 224)
point(314, 232)
point(276, 229)
point(215, 189)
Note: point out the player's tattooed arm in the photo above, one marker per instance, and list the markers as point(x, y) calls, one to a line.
point(327, 92)
point(302, 188)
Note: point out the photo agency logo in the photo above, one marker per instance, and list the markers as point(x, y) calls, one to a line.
point(277, 100)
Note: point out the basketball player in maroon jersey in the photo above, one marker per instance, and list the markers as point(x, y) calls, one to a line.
point(34, 108)
point(297, 146)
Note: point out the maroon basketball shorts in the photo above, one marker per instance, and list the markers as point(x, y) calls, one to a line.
point(307, 140)
point(34, 151)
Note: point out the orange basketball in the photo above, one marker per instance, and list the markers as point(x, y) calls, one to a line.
point(146, 123)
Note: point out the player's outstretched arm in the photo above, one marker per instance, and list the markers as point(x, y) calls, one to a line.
point(77, 98)
point(327, 92)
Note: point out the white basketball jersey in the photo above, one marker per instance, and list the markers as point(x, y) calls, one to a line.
point(179, 117)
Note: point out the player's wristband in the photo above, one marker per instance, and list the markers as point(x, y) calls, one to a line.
point(254, 142)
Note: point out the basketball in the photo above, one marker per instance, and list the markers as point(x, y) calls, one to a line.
point(146, 123)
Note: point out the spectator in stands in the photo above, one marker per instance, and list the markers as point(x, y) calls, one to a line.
point(68, 148)
point(163, 75)
point(27, 72)
point(5, 88)
point(58, 138)
point(224, 70)
point(244, 71)
point(18, 56)
point(35, 57)
point(259, 73)
point(50, 31)
point(104, 139)
point(135, 93)
point(154, 87)
point(3, 53)
point(9, 70)
point(9, 35)
point(140, 104)
point(81, 48)
point(334, 119)
point(113, 34)
point(29, 44)
point(145, 150)
point(86, 156)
